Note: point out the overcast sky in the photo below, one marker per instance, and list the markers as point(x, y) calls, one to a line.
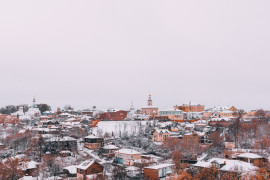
point(109, 53)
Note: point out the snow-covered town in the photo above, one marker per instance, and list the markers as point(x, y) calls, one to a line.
point(187, 141)
point(134, 90)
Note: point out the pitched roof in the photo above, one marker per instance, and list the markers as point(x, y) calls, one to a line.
point(110, 146)
point(128, 151)
point(234, 165)
point(250, 156)
point(92, 136)
point(162, 131)
point(71, 169)
point(159, 166)
point(86, 164)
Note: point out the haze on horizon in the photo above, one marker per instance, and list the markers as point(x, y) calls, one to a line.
point(109, 53)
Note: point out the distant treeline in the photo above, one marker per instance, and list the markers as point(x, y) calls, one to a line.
point(14, 108)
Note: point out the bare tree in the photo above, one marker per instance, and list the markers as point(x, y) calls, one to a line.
point(262, 116)
point(238, 115)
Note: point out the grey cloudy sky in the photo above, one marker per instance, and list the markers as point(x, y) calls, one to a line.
point(109, 53)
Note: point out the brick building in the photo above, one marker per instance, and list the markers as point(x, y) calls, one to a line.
point(158, 171)
point(56, 144)
point(88, 168)
point(113, 115)
point(199, 137)
point(93, 142)
point(150, 110)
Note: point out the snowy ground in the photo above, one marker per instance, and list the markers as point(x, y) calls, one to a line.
point(131, 127)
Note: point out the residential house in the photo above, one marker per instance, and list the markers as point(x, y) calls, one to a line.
point(109, 150)
point(200, 137)
point(30, 168)
point(70, 171)
point(93, 142)
point(89, 167)
point(127, 156)
point(160, 135)
point(251, 158)
point(133, 172)
point(158, 171)
point(55, 145)
point(241, 168)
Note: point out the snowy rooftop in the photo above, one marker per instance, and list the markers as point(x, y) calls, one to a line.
point(162, 131)
point(29, 165)
point(132, 168)
point(28, 178)
point(92, 136)
point(149, 107)
point(203, 164)
point(48, 112)
point(190, 125)
point(86, 164)
point(22, 131)
point(65, 138)
point(200, 133)
point(220, 119)
point(234, 165)
point(228, 165)
point(71, 169)
point(160, 166)
point(111, 146)
point(250, 156)
point(128, 151)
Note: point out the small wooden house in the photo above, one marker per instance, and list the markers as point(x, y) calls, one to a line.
point(89, 167)
point(127, 156)
point(93, 142)
point(109, 150)
point(157, 171)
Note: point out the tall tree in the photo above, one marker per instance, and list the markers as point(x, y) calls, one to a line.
point(238, 115)
point(262, 116)
point(207, 174)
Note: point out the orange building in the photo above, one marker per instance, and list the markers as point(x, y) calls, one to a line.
point(190, 107)
point(226, 113)
point(252, 113)
point(232, 108)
